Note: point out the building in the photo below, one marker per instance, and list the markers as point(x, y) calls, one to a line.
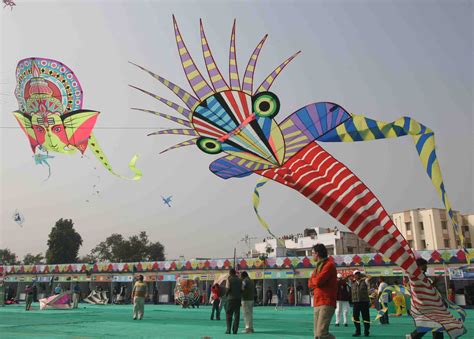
point(431, 228)
point(337, 242)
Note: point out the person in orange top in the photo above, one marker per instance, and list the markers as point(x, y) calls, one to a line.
point(323, 282)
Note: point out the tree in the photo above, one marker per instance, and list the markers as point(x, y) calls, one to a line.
point(87, 259)
point(7, 257)
point(136, 248)
point(63, 243)
point(30, 259)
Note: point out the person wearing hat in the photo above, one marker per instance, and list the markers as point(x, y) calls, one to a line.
point(342, 299)
point(361, 303)
point(323, 283)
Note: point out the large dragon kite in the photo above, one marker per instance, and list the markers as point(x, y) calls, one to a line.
point(50, 111)
point(236, 119)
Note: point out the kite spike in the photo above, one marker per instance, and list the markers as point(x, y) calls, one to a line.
point(215, 75)
point(189, 100)
point(166, 116)
point(177, 131)
point(181, 144)
point(267, 83)
point(187, 113)
point(195, 78)
point(247, 82)
point(233, 69)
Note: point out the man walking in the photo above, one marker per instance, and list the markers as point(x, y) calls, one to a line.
point(234, 295)
point(299, 293)
point(139, 294)
point(215, 296)
point(268, 296)
point(384, 299)
point(361, 302)
point(343, 297)
point(28, 297)
point(248, 297)
point(323, 283)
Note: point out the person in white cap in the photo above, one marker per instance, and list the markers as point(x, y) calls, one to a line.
point(342, 299)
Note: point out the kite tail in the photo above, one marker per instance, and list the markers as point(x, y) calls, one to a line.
point(332, 186)
point(360, 128)
point(256, 203)
point(99, 154)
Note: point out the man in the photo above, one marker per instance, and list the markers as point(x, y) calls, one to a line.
point(215, 297)
point(139, 293)
point(342, 299)
point(234, 295)
point(323, 283)
point(76, 295)
point(268, 296)
point(361, 302)
point(383, 299)
point(28, 297)
point(259, 289)
point(423, 265)
point(279, 298)
point(248, 295)
point(299, 293)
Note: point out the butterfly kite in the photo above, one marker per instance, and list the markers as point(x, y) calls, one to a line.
point(18, 218)
point(237, 119)
point(50, 112)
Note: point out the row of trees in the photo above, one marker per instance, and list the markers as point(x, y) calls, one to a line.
point(64, 243)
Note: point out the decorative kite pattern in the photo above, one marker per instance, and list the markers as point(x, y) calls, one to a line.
point(241, 124)
point(186, 292)
point(50, 112)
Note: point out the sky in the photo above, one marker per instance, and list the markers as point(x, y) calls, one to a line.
point(383, 59)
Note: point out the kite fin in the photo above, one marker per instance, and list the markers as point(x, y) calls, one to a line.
point(360, 128)
point(234, 167)
point(309, 123)
point(99, 154)
point(25, 122)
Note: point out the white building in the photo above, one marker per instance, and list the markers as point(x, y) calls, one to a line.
point(337, 242)
point(431, 228)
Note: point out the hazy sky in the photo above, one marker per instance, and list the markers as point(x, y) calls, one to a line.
point(382, 59)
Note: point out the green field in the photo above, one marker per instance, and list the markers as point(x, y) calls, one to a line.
point(169, 321)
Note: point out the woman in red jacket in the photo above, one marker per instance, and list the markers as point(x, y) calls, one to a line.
point(323, 282)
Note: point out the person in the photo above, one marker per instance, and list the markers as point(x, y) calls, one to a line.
point(198, 300)
point(360, 301)
point(139, 293)
point(155, 295)
point(35, 292)
point(291, 295)
point(342, 299)
point(279, 298)
point(28, 297)
point(259, 292)
point(215, 298)
point(299, 293)
point(2, 294)
point(76, 295)
point(323, 283)
point(248, 295)
point(383, 298)
point(423, 265)
point(268, 296)
point(234, 295)
point(58, 289)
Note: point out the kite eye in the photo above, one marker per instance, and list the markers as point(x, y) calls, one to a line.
point(57, 129)
point(208, 145)
point(266, 104)
point(39, 129)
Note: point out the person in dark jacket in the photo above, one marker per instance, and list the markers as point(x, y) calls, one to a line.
point(28, 297)
point(216, 300)
point(268, 296)
point(342, 299)
point(248, 295)
point(361, 302)
point(234, 297)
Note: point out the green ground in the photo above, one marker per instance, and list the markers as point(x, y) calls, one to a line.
point(169, 321)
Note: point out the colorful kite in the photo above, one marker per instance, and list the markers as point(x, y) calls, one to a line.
point(18, 218)
point(50, 111)
point(9, 3)
point(236, 119)
point(186, 292)
point(60, 301)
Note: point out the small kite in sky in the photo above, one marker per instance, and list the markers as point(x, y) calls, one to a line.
point(9, 3)
point(50, 111)
point(167, 201)
point(18, 218)
point(238, 120)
